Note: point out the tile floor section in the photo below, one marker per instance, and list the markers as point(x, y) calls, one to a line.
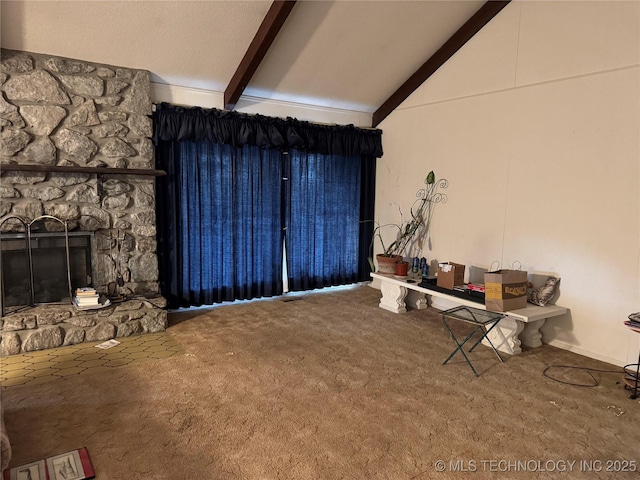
point(61, 362)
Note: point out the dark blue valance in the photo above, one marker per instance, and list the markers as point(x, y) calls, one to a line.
point(175, 123)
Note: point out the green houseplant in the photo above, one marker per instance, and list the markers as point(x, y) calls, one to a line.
point(410, 230)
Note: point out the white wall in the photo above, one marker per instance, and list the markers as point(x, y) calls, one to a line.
point(536, 125)
point(210, 99)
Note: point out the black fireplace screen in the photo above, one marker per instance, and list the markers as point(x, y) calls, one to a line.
point(36, 268)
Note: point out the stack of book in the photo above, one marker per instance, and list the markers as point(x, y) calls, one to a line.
point(86, 297)
point(634, 322)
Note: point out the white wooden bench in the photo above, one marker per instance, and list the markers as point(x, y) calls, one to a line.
point(519, 327)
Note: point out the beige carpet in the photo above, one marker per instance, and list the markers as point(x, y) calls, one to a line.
point(329, 387)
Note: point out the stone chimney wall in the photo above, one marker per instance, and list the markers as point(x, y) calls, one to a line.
point(64, 112)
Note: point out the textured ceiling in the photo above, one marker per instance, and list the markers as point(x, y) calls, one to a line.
point(340, 54)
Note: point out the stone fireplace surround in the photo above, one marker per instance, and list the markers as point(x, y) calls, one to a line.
point(57, 112)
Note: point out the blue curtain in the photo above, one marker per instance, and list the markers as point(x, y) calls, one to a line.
point(223, 206)
point(323, 219)
point(216, 211)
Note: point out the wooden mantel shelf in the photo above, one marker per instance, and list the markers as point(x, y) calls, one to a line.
point(75, 169)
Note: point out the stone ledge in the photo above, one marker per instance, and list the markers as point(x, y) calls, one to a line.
point(50, 326)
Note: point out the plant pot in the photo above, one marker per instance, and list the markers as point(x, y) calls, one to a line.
point(387, 263)
point(402, 268)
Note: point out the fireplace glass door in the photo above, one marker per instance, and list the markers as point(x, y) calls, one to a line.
point(49, 266)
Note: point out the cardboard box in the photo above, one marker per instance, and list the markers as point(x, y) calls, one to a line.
point(450, 274)
point(505, 290)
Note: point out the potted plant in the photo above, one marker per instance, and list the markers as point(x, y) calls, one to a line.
point(407, 231)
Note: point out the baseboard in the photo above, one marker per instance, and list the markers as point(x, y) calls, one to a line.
point(440, 303)
point(585, 353)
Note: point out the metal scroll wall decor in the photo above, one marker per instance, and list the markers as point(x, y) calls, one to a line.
point(28, 229)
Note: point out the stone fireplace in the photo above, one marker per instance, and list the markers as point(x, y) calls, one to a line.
point(76, 145)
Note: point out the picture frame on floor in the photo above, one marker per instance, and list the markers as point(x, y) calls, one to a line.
point(73, 465)
point(29, 471)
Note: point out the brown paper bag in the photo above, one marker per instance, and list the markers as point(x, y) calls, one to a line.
point(505, 290)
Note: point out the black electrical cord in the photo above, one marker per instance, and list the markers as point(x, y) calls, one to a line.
point(586, 369)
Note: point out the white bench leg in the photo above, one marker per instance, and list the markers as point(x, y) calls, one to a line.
point(393, 297)
point(531, 336)
point(417, 300)
point(505, 336)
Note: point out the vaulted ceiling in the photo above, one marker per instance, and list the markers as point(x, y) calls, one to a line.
point(362, 56)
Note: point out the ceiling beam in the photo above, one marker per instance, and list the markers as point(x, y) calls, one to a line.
point(444, 53)
point(266, 34)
